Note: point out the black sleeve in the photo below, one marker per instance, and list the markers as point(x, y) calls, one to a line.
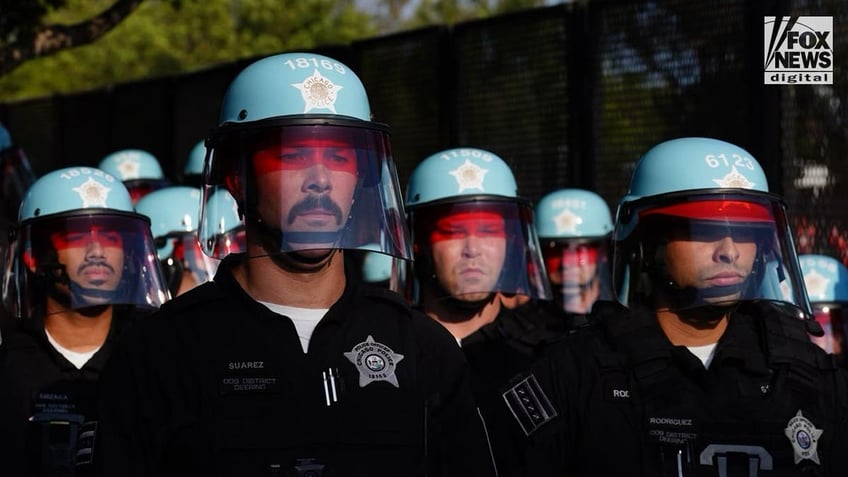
point(132, 405)
point(456, 433)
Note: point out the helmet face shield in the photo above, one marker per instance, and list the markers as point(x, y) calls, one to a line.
point(138, 188)
point(303, 187)
point(578, 271)
point(83, 260)
point(688, 251)
point(17, 177)
point(468, 250)
point(183, 263)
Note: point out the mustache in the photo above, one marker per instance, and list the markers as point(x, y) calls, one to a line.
point(94, 263)
point(312, 202)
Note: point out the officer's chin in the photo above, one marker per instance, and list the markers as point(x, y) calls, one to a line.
point(306, 260)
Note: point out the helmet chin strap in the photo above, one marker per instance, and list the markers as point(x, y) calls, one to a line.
point(272, 240)
point(467, 308)
point(312, 237)
point(690, 301)
point(76, 294)
point(576, 290)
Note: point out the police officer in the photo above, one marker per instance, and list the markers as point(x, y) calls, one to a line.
point(138, 169)
point(82, 272)
point(475, 243)
point(16, 177)
point(173, 213)
point(574, 227)
point(283, 364)
point(826, 280)
point(703, 366)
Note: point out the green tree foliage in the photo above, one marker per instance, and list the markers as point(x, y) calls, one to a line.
point(168, 37)
point(165, 37)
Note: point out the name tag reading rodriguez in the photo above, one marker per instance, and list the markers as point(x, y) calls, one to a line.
point(248, 377)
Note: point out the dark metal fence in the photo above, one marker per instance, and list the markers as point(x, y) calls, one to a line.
point(569, 95)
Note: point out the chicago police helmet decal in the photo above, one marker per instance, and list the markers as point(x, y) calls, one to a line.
point(567, 221)
point(735, 179)
point(816, 283)
point(132, 164)
point(573, 214)
point(318, 92)
point(469, 176)
point(128, 166)
point(375, 362)
point(92, 193)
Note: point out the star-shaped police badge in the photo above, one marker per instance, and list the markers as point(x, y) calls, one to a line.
point(375, 362)
point(734, 179)
point(469, 176)
point(804, 438)
point(92, 193)
point(816, 284)
point(318, 92)
point(128, 166)
point(567, 221)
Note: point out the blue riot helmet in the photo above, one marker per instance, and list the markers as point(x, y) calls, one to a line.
point(16, 176)
point(380, 269)
point(826, 281)
point(224, 228)
point(80, 244)
point(574, 228)
point(193, 169)
point(693, 191)
point(309, 169)
point(173, 213)
point(472, 234)
point(137, 169)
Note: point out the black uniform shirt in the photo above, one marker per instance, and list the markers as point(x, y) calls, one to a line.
point(500, 354)
point(631, 403)
point(217, 384)
point(39, 386)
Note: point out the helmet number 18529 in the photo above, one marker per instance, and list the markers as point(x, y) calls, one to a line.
point(715, 160)
point(312, 62)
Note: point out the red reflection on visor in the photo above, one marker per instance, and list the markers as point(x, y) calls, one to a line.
point(73, 239)
point(462, 224)
point(716, 210)
point(565, 256)
point(333, 154)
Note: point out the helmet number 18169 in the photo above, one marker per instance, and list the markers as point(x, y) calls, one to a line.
point(312, 62)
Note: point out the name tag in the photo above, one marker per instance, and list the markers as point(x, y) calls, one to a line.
point(249, 385)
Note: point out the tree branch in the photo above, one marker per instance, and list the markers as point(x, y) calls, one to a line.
point(50, 39)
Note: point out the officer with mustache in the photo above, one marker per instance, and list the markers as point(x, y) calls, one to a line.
point(286, 363)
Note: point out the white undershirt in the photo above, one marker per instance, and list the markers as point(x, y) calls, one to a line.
point(704, 353)
point(77, 359)
point(305, 319)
